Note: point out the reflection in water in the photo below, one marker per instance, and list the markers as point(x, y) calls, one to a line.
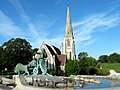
point(106, 83)
point(115, 82)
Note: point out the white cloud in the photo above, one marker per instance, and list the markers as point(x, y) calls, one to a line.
point(57, 41)
point(38, 29)
point(8, 27)
point(20, 9)
point(83, 30)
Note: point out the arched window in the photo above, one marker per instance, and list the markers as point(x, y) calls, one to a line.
point(68, 42)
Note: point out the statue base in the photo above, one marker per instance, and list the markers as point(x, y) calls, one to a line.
point(43, 80)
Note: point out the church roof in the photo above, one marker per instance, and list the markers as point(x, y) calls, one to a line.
point(61, 60)
point(53, 50)
point(56, 49)
point(50, 49)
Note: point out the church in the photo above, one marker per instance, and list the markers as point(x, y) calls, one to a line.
point(69, 44)
point(56, 58)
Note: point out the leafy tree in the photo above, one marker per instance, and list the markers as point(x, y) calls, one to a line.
point(72, 68)
point(93, 70)
point(1, 49)
point(114, 58)
point(83, 62)
point(82, 55)
point(87, 64)
point(84, 66)
point(34, 51)
point(91, 61)
point(15, 51)
point(103, 58)
point(99, 65)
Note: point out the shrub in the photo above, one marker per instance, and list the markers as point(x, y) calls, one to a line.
point(52, 72)
point(92, 71)
point(102, 72)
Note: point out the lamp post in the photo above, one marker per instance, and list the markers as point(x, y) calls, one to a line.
point(100, 68)
point(3, 71)
point(6, 71)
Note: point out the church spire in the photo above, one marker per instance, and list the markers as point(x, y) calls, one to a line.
point(69, 44)
point(69, 31)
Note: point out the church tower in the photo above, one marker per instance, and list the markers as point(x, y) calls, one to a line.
point(69, 44)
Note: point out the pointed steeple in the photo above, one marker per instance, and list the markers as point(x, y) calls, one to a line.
point(69, 30)
point(69, 44)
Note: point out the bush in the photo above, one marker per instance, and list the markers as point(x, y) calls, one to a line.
point(7, 73)
point(52, 72)
point(72, 68)
point(102, 72)
point(55, 72)
point(92, 71)
point(84, 71)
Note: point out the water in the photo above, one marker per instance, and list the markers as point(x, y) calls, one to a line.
point(106, 83)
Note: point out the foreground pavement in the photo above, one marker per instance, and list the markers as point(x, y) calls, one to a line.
point(3, 87)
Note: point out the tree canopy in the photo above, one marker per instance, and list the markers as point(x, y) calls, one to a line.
point(72, 68)
point(103, 58)
point(82, 55)
point(34, 51)
point(112, 58)
point(15, 51)
point(85, 65)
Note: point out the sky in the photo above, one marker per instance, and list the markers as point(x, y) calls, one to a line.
point(96, 23)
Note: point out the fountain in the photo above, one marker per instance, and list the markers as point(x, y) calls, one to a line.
point(32, 78)
point(35, 78)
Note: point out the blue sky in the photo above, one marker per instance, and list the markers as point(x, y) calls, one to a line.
point(96, 23)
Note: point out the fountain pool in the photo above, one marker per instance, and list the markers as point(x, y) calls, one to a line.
point(105, 83)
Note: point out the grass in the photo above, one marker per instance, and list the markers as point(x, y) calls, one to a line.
point(113, 66)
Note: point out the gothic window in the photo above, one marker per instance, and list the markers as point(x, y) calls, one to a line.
point(68, 33)
point(68, 42)
point(70, 56)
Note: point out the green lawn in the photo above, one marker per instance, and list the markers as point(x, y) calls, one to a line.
point(114, 66)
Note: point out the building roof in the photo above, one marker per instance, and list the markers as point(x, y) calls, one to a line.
point(50, 49)
point(61, 60)
point(56, 49)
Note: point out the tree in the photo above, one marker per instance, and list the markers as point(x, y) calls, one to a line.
point(114, 58)
point(91, 61)
point(83, 62)
point(34, 51)
point(72, 68)
point(86, 65)
point(1, 49)
point(103, 58)
point(82, 55)
point(15, 51)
